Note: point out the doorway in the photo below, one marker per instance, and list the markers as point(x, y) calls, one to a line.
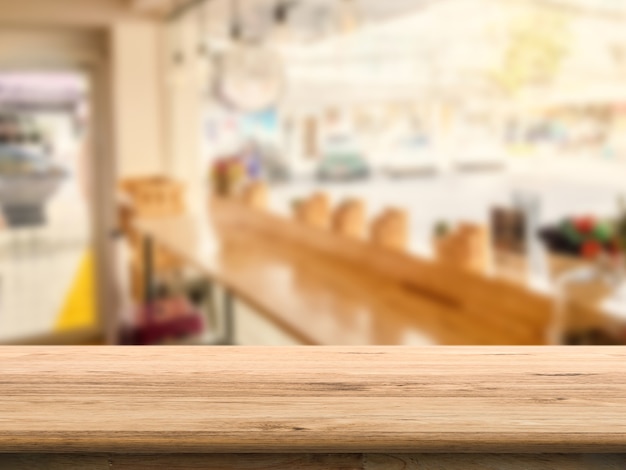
point(47, 270)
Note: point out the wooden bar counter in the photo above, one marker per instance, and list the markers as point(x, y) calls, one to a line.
point(321, 301)
point(312, 408)
point(324, 290)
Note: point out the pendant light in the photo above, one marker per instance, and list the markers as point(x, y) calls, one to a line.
point(203, 66)
point(281, 31)
point(349, 20)
point(236, 27)
point(177, 61)
point(251, 76)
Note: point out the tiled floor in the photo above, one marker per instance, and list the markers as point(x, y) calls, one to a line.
point(38, 265)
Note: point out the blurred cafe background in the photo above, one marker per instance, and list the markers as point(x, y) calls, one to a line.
point(315, 172)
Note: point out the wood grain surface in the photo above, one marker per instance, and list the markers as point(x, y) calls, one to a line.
point(313, 461)
point(312, 400)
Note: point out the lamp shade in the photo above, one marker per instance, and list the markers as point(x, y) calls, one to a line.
point(250, 78)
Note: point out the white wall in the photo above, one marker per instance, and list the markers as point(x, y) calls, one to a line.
point(138, 97)
point(185, 99)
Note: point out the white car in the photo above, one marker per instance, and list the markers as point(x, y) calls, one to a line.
point(342, 160)
point(409, 157)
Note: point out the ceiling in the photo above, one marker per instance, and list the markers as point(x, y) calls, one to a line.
point(76, 13)
point(256, 13)
point(316, 19)
point(448, 50)
point(257, 16)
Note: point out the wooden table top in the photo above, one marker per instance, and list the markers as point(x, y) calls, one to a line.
point(323, 302)
point(191, 399)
